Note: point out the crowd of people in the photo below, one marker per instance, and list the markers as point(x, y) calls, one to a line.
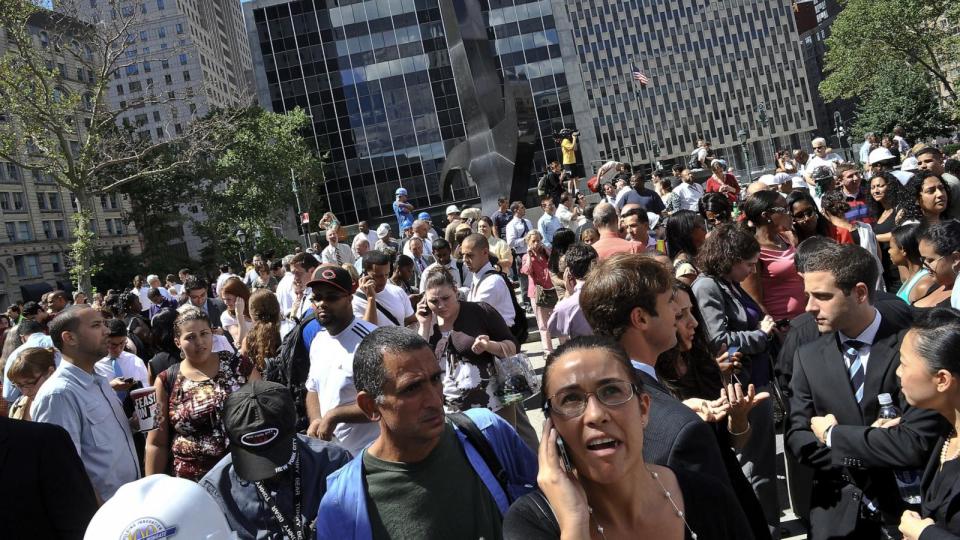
point(354, 389)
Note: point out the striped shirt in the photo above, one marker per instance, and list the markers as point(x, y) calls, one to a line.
point(331, 377)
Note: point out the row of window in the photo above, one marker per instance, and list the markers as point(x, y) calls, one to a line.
point(55, 229)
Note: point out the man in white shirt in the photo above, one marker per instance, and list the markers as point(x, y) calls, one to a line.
point(567, 212)
point(284, 292)
point(548, 222)
point(421, 230)
point(378, 301)
point(251, 276)
point(331, 396)
point(371, 235)
point(517, 231)
point(689, 192)
point(822, 155)
point(491, 289)
point(121, 368)
point(335, 252)
point(301, 268)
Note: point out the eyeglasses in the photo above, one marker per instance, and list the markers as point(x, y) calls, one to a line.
point(806, 214)
point(23, 386)
point(777, 210)
point(573, 402)
point(930, 264)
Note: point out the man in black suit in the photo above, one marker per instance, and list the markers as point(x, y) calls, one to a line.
point(631, 298)
point(196, 294)
point(833, 425)
point(48, 493)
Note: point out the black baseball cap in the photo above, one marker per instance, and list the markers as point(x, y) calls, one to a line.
point(261, 423)
point(334, 276)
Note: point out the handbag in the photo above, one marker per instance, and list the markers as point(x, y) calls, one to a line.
point(516, 378)
point(593, 184)
point(546, 298)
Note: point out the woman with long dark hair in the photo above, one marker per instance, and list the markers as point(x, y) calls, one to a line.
point(925, 198)
point(807, 219)
point(904, 252)
point(882, 203)
point(162, 334)
point(685, 232)
point(715, 209)
point(929, 373)
point(776, 286)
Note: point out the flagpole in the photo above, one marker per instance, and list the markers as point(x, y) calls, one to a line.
point(642, 117)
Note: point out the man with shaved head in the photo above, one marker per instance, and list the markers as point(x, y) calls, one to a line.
point(607, 222)
point(489, 285)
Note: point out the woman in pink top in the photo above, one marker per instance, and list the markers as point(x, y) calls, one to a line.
point(536, 266)
point(776, 286)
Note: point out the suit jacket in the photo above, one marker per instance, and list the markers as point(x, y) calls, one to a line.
point(945, 510)
point(859, 462)
point(214, 308)
point(676, 437)
point(49, 493)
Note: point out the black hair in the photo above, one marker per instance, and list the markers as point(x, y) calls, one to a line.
point(849, 264)
point(638, 211)
point(718, 203)
point(938, 338)
point(162, 331)
point(679, 233)
point(909, 199)
point(307, 261)
point(67, 320)
point(224, 267)
point(945, 236)
point(893, 193)
point(404, 261)
point(441, 243)
point(30, 309)
point(117, 328)
point(563, 238)
point(193, 283)
point(153, 293)
point(726, 246)
point(907, 236)
point(369, 374)
point(579, 259)
point(28, 327)
point(758, 203)
point(606, 344)
point(823, 225)
point(375, 258)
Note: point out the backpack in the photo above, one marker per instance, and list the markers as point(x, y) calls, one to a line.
point(290, 368)
point(519, 329)
point(542, 186)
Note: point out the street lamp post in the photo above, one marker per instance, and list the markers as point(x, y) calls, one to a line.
point(241, 239)
point(655, 164)
point(763, 120)
point(304, 226)
point(742, 137)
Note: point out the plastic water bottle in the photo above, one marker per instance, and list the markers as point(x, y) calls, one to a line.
point(908, 480)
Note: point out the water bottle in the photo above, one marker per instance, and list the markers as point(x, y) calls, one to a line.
point(908, 480)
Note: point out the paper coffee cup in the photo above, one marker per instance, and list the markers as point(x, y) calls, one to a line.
point(145, 407)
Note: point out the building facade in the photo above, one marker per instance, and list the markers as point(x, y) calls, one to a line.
point(37, 214)
point(710, 66)
point(191, 54)
point(377, 79)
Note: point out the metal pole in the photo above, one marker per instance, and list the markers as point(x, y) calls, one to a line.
point(304, 226)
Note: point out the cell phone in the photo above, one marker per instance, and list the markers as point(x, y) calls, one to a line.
point(733, 350)
point(128, 380)
point(564, 457)
point(783, 323)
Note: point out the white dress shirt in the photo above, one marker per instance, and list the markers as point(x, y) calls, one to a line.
point(866, 337)
point(329, 254)
point(493, 291)
point(516, 230)
point(689, 195)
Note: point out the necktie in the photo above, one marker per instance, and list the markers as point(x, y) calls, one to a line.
point(851, 353)
point(118, 373)
point(336, 250)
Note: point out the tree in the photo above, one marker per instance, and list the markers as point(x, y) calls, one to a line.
point(65, 128)
point(867, 35)
point(248, 185)
point(899, 96)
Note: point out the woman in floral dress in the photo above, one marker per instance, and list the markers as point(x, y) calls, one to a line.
point(190, 395)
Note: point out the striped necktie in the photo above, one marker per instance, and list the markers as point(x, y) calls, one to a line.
point(851, 353)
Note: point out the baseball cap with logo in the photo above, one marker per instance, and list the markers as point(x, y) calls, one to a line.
point(334, 276)
point(261, 421)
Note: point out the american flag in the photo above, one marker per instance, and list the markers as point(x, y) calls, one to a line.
point(640, 77)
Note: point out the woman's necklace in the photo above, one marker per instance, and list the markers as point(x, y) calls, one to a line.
point(667, 495)
point(945, 454)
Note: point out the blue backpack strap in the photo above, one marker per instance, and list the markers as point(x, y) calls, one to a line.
point(483, 447)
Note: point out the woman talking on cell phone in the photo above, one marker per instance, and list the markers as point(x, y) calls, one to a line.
point(594, 483)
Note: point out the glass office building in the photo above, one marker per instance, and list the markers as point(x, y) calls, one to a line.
point(377, 80)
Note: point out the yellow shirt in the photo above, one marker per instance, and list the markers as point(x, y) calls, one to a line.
point(569, 156)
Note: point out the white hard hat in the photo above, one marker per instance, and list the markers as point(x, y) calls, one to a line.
point(879, 155)
point(452, 209)
point(159, 506)
point(911, 164)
